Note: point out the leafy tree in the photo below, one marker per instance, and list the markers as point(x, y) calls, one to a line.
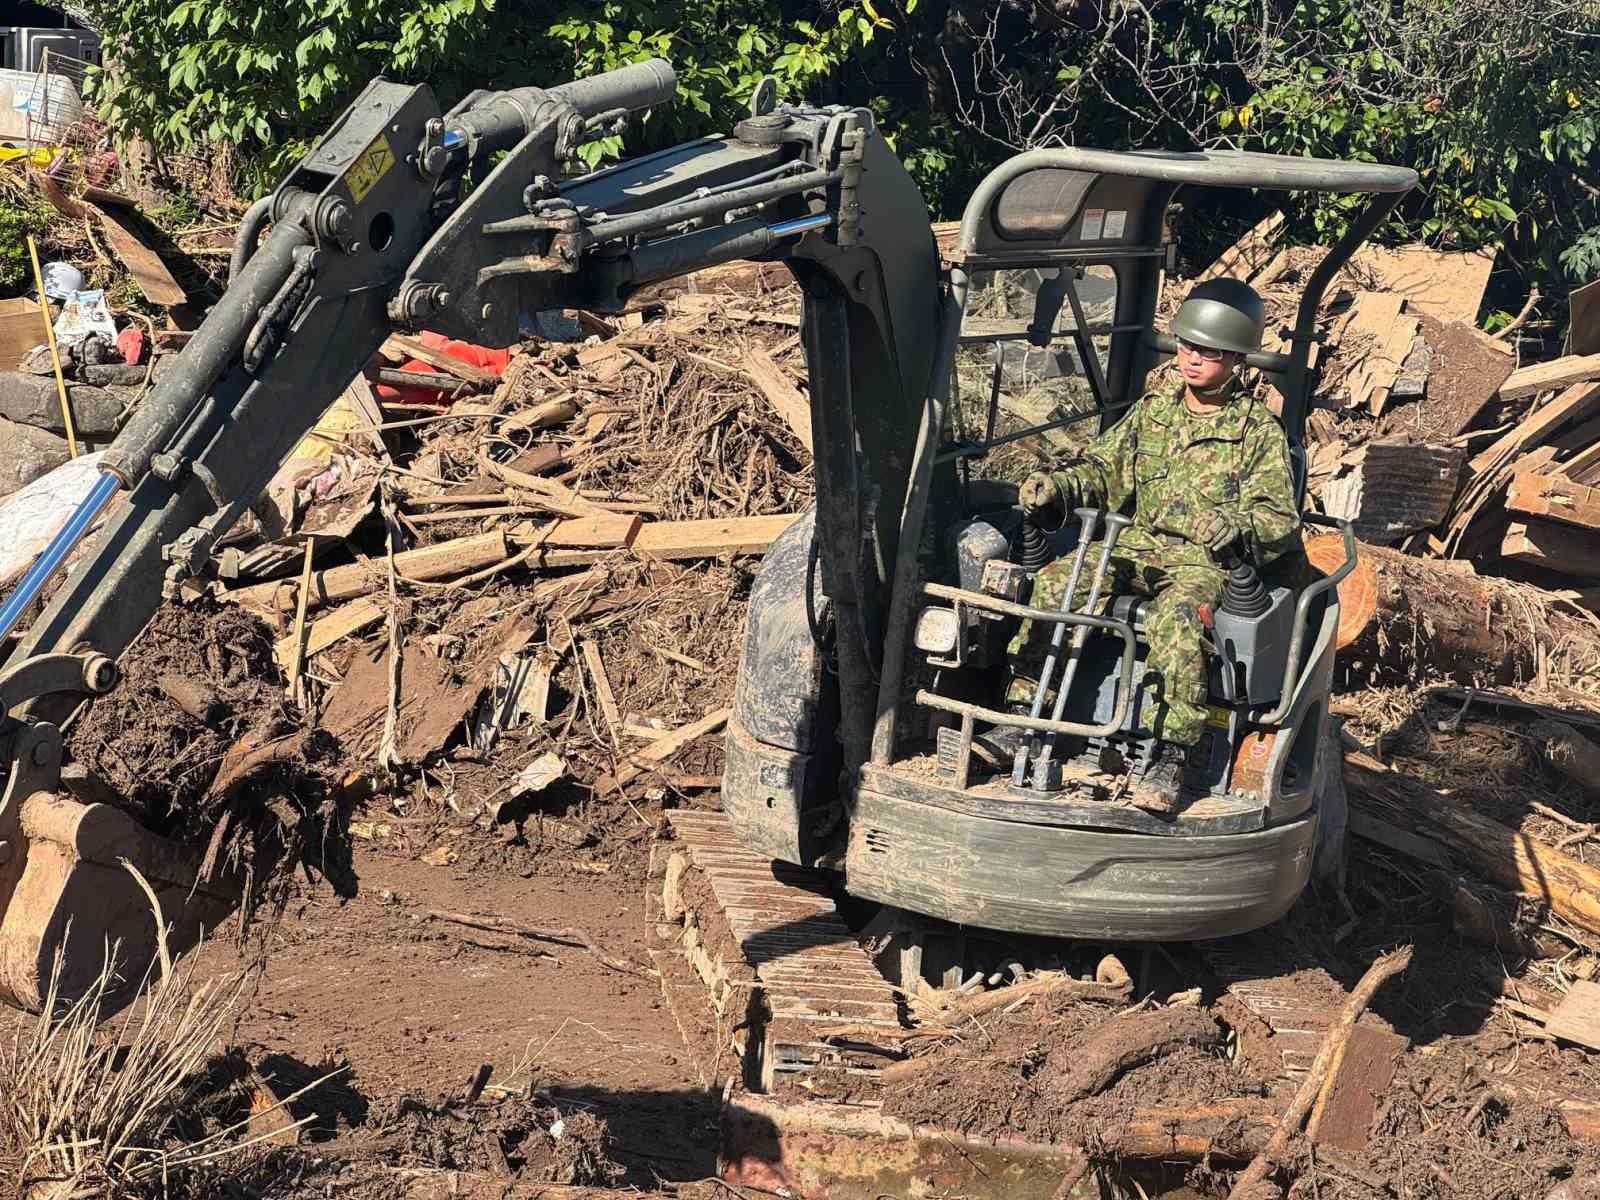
point(1493, 101)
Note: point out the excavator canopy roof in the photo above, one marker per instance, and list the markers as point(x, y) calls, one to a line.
point(1079, 198)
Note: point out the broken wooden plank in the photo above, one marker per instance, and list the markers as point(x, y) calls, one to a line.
point(709, 538)
point(1582, 466)
point(326, 630)
point(784, 397)
point(143, 263)
point(1373, 320)
point(1362, 1070)
point(557, 497)
point(412, 347)
point(1247, 256)
point(439, 561)
point(1547, 376)
point(1577, 403)
point(1577, 1017)
point(664, 748)
point(1384, 366)
point(1556, 496)
point(602, 689)
point(1392, 837)
point(1554, 547)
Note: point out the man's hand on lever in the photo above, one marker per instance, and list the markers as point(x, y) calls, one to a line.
point(1217, 530)
point(1042, 497)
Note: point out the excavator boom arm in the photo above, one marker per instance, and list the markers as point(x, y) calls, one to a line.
point(406, 217)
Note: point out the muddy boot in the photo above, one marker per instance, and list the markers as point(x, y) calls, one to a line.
point(1157, 790)
point(998, 745)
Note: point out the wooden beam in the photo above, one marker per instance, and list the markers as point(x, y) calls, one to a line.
point(1581, 467)
point(411, 347)
point(1547, 376)
point(1577, 403)
point(439, 561)
point(607, 532)
point(709, 538)
point(1554, 547)
point(784, 397)
point(1540, 495)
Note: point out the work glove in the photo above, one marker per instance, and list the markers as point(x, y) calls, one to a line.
point(1215, 529)
point(1042, 496)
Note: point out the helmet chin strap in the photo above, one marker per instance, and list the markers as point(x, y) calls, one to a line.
point(1210, 391)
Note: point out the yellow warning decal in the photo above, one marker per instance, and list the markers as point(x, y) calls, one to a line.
point(373, 163)
point(1217, 718)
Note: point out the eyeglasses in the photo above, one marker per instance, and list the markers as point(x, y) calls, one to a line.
point(1207, 353)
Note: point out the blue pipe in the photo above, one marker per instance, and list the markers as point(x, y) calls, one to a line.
point(800, 224)
point(56, 552)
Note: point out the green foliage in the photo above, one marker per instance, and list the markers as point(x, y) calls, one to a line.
point(266, 77)
point(18, 219)
point(1492, 101)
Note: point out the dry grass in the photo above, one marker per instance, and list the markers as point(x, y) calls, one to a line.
point(90, 1108)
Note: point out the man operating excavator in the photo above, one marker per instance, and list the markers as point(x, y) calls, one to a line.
point(1203, 469)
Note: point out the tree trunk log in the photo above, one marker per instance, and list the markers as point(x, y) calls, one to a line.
point(1499, 853)
point(1436, 618)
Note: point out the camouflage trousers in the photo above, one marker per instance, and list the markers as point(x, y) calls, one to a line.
point(1172, 628)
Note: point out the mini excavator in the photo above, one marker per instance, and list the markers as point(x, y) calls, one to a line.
point(873, 647)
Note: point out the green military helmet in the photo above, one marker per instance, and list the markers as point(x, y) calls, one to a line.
point(1224, 314)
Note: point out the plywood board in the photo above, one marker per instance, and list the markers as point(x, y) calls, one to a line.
point(21, 329)
point(143, 263)
point(1373, 322)
point(1445, 284)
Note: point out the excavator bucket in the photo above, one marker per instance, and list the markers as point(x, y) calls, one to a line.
point(73, 875)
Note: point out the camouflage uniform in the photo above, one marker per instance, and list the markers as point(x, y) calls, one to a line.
point(1174, 466)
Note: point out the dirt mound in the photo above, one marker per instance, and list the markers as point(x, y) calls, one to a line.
point(198, 744)
point(1059, 1080)
point(511, 1137)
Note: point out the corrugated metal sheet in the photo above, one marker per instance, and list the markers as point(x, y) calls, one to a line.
point(1396, 488)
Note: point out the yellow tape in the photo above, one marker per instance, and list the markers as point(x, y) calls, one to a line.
point(371, 166)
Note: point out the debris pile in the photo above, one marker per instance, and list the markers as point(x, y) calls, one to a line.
point(1426, 433)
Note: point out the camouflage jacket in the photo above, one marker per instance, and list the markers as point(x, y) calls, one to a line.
point(1173, 466)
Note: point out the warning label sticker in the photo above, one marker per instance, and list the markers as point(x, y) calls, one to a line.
point(1094, 221)
point(372, 165)
point(1116, 223)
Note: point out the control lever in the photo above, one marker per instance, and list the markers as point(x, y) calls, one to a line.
point(1115, 524)
point(1088, 519)
point(1243, 592)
